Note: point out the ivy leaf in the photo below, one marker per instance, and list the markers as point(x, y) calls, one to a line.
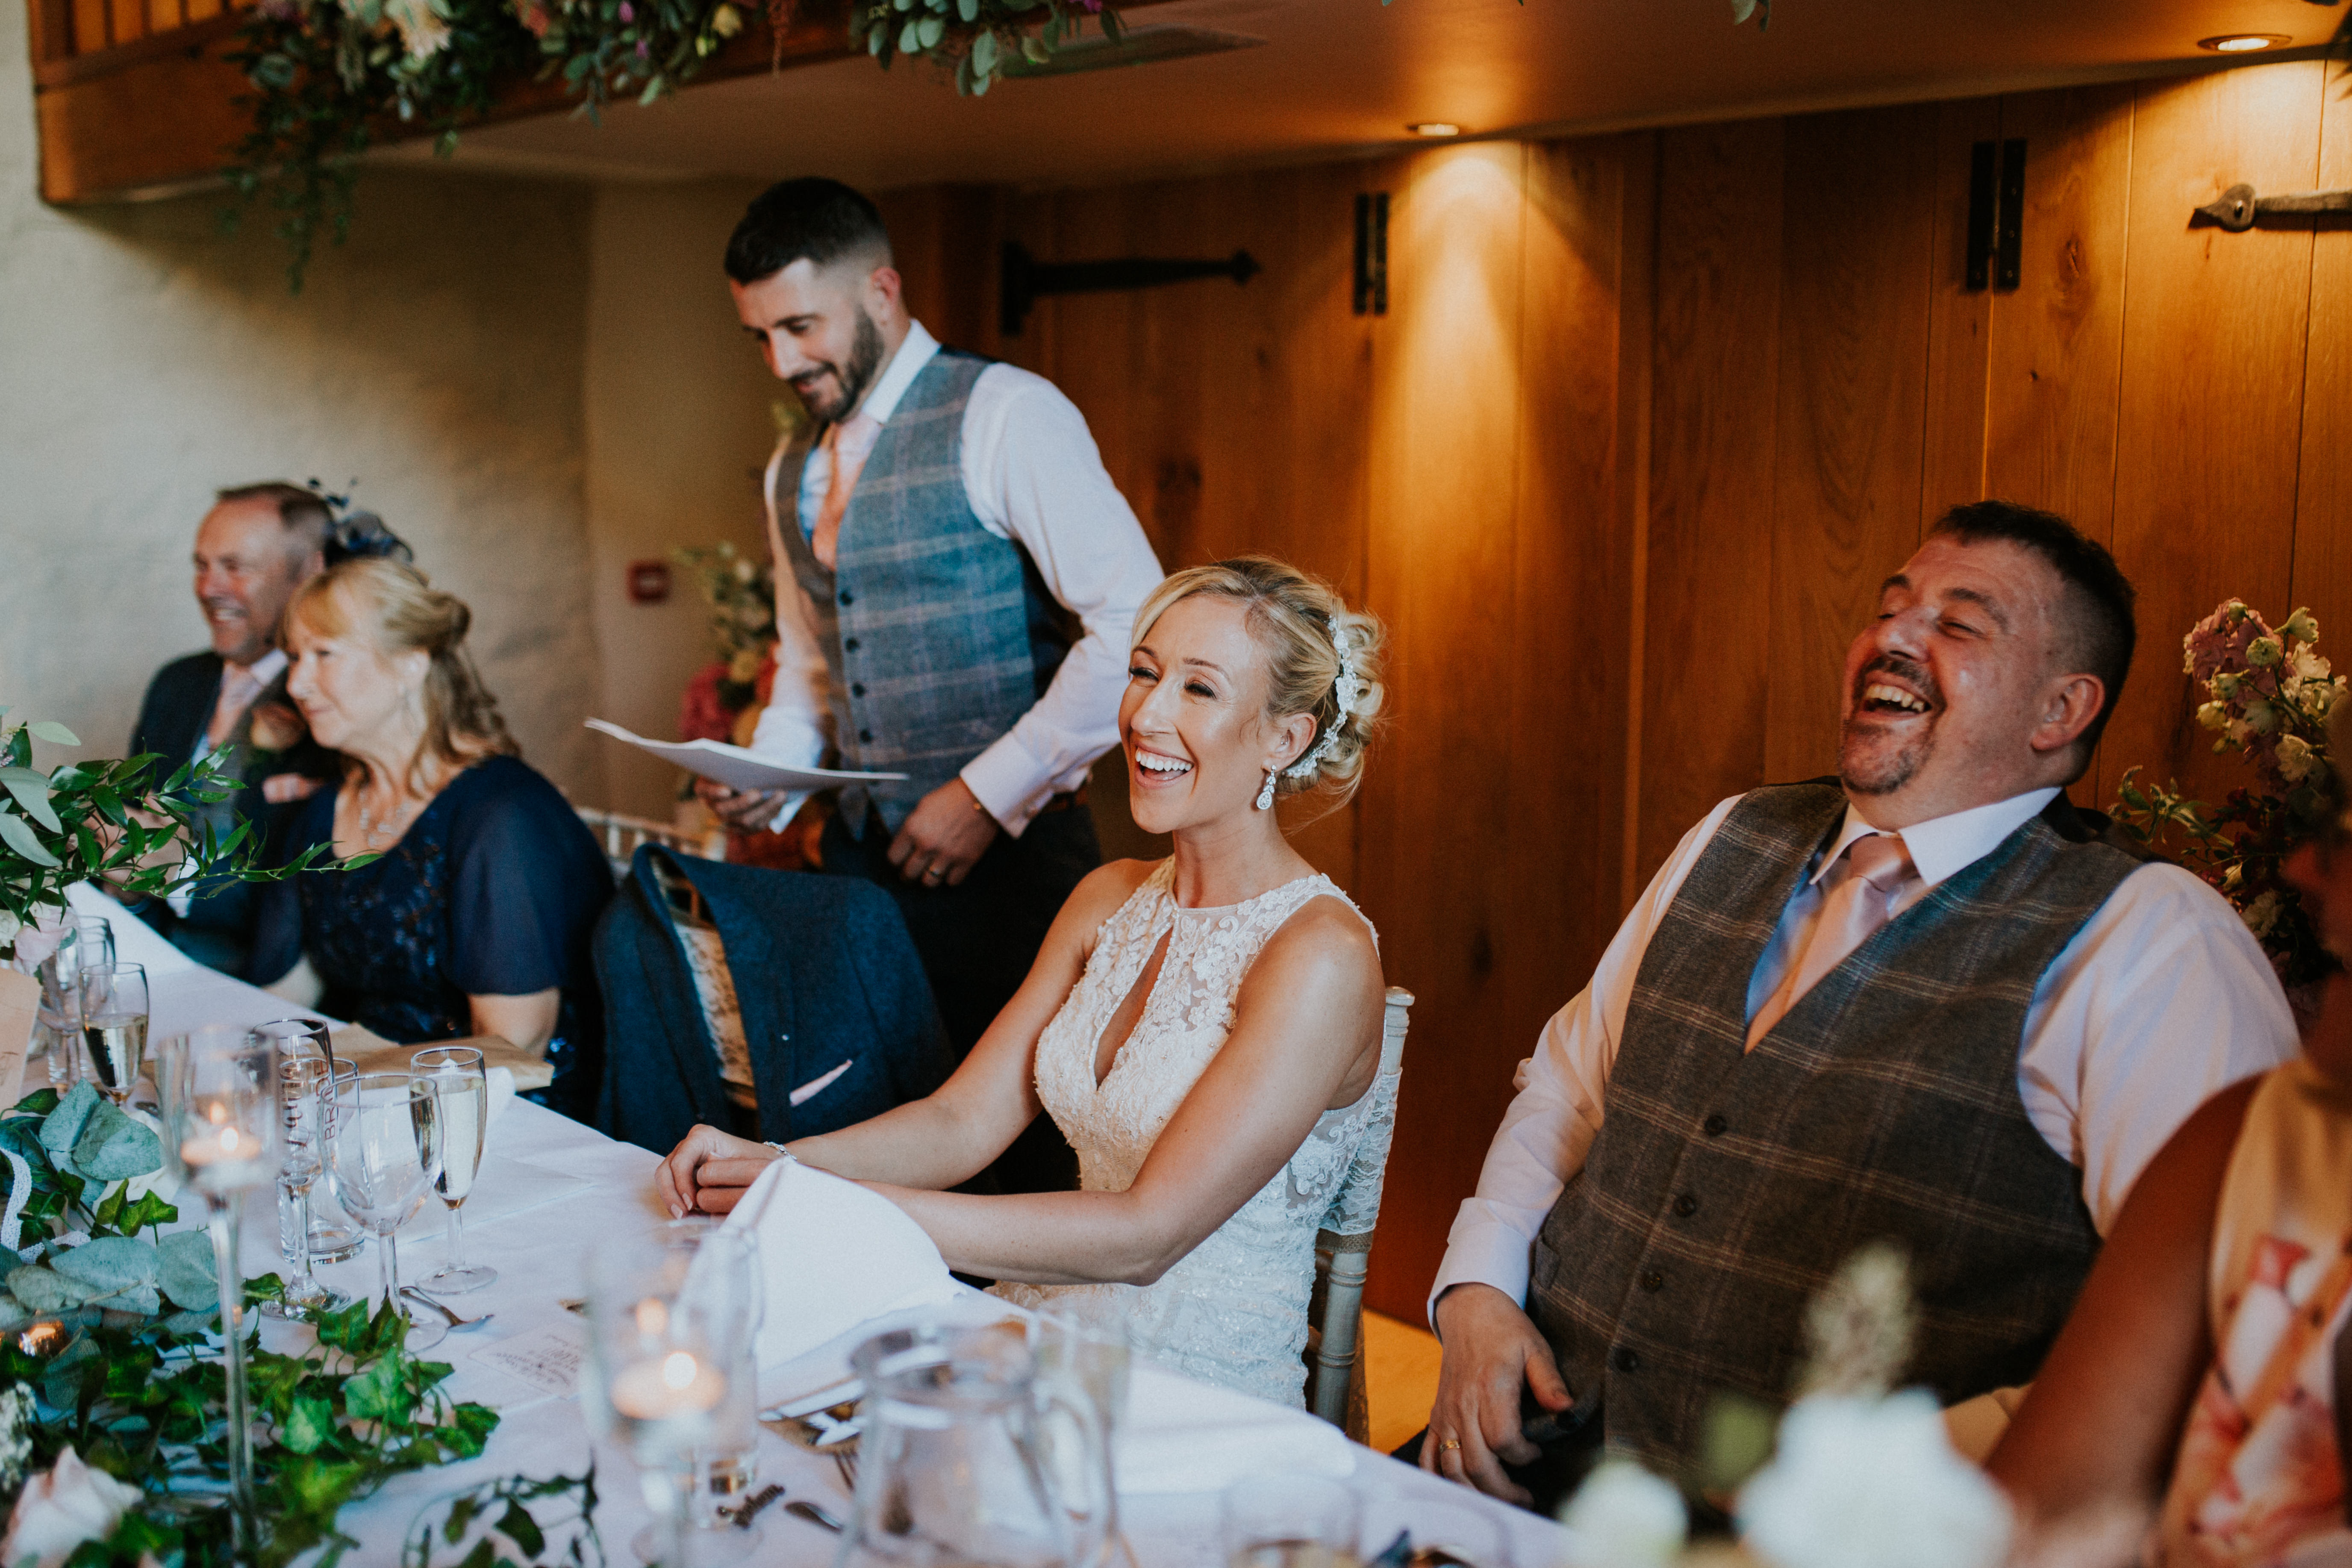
point(517, 1525)
point(52, 732)
point(20, 838)
point(184, 1269)
point(379, 1393)
point(149, 1210)
point(310, 1423)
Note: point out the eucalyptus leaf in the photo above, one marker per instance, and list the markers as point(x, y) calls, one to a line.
point(13, 1314)
point(32, 792)
point(46, 1290)
point(109, 1264)
point(930, 30)
point(184, 1269)
point(114, 1148)
point(188, 1322)
point(908, 44)
point(61, 1128)
point(52, 732)
point(20, 838)
point(983, 56)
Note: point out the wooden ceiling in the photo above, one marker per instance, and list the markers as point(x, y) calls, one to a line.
point(1337, 76)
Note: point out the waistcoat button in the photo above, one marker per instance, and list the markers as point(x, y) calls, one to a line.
point(1715, 1126)
point(1685, 1205)
point(846, 598)
point(866, 736)
point(850, 644)
point(1624, 1359)
point(1654, 1282)
point(857, 689)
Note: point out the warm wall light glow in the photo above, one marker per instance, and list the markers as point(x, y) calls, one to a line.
point(1434, 127)
point(2241, 42)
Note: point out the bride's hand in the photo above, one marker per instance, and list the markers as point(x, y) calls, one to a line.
point(709, 1171)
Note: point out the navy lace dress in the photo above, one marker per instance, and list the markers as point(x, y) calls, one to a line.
point(494, 889)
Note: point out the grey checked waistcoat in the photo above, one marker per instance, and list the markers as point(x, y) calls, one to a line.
point(1725, 1187)
point(937, 633)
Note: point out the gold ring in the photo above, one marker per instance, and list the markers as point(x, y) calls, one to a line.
point(1448, 1445)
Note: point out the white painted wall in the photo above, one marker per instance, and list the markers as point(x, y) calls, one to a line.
point(679, 429)
point(145, 359)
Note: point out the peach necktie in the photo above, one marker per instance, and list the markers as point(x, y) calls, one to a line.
point(1875, 867)
point(849, 441)
point(238, 690)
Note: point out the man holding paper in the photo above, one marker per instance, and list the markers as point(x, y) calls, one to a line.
point(937, 533)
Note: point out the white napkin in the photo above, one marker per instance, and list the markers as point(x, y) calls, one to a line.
point(832, 1256)
point(1187, 1436)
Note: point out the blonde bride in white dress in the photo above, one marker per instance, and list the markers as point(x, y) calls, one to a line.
point(1204, 1029)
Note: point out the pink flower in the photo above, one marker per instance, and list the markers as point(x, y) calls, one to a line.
point(2219, 641)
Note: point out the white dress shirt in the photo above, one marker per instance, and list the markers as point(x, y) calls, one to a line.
point(2161, 999)
point(1033, 475)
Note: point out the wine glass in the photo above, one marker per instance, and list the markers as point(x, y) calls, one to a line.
point(460, 1077)
point(387, 1151)
point(306, 1086)
point(114, 1026)
point(657, 1376)
point(331, 1238)
point(222, 1117)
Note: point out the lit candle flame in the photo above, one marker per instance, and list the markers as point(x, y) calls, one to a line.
point(677, 1369)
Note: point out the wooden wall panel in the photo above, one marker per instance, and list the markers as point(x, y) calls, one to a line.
point(1437, 832)
point(2211, 412)
point(1714, 390)
point(2323, 523)
point(1960, 320)
point(1856, 257)
point(2057, 341)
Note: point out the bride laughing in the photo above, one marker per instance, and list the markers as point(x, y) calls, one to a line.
point(1204, 1029)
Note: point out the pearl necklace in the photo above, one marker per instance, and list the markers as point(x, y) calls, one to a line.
point(391, 829)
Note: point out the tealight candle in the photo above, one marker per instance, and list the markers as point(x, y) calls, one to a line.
point(666, 1388)
point(222, 1158)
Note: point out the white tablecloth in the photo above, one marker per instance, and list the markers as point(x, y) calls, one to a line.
point(535, 1232)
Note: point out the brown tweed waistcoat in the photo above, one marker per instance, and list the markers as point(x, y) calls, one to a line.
point(1726, 1186)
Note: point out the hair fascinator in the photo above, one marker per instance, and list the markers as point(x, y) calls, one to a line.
point(354, 534)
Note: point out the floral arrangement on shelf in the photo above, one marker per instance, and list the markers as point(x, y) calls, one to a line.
point(2268, 697)
point(741, 595)
point(326, 75)
point(108, 820)
point(1855, 1474)
point(111, 1428)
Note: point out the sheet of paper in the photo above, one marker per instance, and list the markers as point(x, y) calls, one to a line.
point(548, 1359)
point(735, 767)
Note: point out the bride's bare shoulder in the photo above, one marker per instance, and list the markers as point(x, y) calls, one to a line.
point(1328, 932)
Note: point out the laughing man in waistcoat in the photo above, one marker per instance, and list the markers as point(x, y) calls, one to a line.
point(1921, 1001)
point(956, 578)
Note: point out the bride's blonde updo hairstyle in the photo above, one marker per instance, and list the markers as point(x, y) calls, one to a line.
point(390, 605)
point(1298, 621)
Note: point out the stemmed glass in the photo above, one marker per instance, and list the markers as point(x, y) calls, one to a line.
point(222, 1119)
point(306, 1084)
point(463, 1086)
point(114, 1026)
point(387, 1151)
point(657, 1376)
point(88, 944)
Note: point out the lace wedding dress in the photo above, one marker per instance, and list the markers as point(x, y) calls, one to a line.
point(1232, 1311)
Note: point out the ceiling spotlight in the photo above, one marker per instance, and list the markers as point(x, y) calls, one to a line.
point(2241, 42)
point(1434, 127)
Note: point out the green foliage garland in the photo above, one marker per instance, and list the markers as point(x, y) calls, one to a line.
point(326, 74)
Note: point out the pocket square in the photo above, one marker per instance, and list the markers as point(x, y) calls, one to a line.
point(816, 1086)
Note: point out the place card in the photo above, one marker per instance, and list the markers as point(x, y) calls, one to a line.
point(548, 1359)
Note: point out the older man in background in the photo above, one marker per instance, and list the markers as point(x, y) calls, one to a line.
point(1922, 1002)
point(256, 545)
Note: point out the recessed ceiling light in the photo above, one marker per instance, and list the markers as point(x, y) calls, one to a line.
point(1434, 127)
point(2241, 42)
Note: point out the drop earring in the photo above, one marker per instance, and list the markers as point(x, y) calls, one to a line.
point(1265, 795)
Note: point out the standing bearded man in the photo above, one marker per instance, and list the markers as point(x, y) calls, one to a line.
point(1921, 1001)
point(937, 534)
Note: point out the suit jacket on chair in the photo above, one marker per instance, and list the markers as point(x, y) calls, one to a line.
point(824, 974)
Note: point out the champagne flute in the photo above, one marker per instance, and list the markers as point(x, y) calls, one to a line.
point(114, 1026)
point(222, 1120)
point(387, 1151)
point(459, 1077)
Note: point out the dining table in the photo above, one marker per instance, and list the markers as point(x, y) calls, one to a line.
point(549, 1191)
